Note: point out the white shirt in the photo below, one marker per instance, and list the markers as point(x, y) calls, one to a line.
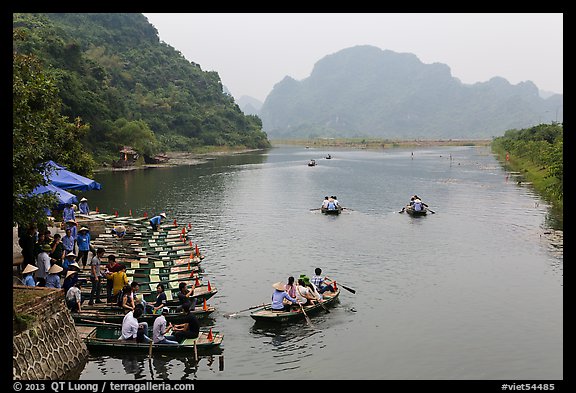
point(43, 263)
point(129, 327)
point(73, 294)
point(159, 328)
point(301, 292)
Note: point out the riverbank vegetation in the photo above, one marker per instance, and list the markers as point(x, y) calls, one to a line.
point(538, 154)
point(378, 143)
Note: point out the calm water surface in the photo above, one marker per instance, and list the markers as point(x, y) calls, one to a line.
point(474, 291)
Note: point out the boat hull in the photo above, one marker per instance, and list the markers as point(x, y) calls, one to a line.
point(296, 314)
point(105, 338)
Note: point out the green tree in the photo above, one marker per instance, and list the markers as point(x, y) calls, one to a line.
point(39, 134)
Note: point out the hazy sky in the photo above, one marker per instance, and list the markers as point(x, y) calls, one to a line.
point(253, 51)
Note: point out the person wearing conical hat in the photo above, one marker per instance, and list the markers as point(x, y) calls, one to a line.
point(83, 206)
point(119, 230)
point(68, 213)
point(83, 240)
point(28, 274)
point(156, 221)
point(278, 297)
point(70, 280)
point(53, 278)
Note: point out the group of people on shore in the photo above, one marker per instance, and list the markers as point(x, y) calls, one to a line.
point(52, 262)
point(307, 291)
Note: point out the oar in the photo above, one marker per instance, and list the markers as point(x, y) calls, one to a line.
point(431, 211)
point(347, 208)
point(343, 286)
point(402, 211)
point(246, 309)
point(323, 306)
point(306, 315)
point(319, 208)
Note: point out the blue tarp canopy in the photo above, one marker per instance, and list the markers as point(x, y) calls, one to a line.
point(63, 196)
point(60, 177)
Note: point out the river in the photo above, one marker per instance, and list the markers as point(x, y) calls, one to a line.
point(472, 292)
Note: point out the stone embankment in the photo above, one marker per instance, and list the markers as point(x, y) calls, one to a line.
point(45, 342)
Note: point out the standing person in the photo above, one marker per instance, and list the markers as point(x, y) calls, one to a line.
point(160, 329)
point(318, 282)
point(189, 329)
point(83, 240)
point(83, 206)
point(27, 242)
point(74, 297)
point(28, 274)
point(69, 238)
point(53, 278)
point(119, 282)
point(38, 244)
point(278, 298)
point(57, 252)
point(111, 268)
point(156, 221)
point(96, 277)
point(43, 262)
point(68, 213)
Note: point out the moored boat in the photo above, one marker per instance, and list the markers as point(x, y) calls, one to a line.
point(112, 314)
point(106, 338)
point(267, 314)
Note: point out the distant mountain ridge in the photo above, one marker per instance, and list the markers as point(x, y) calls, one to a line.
point(249, 105)
point(364, 91)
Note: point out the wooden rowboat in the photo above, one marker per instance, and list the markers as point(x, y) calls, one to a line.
point(267, 314)
point(410, 210)
point(336, 211)
point(112, 314)
point(106, 338)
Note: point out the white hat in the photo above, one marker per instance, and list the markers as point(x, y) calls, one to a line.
point(29, 269)
point(70, 272)
point(84, 229)
point(279, 286)
point(70, 254)
point(163, 215)
point(83, 200)
point(55, 269)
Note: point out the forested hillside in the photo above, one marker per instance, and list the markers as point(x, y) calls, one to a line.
point(364, 91)
point(114, 74)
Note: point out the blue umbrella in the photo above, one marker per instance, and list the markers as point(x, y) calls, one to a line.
point(64, 197)
point(60, 177)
